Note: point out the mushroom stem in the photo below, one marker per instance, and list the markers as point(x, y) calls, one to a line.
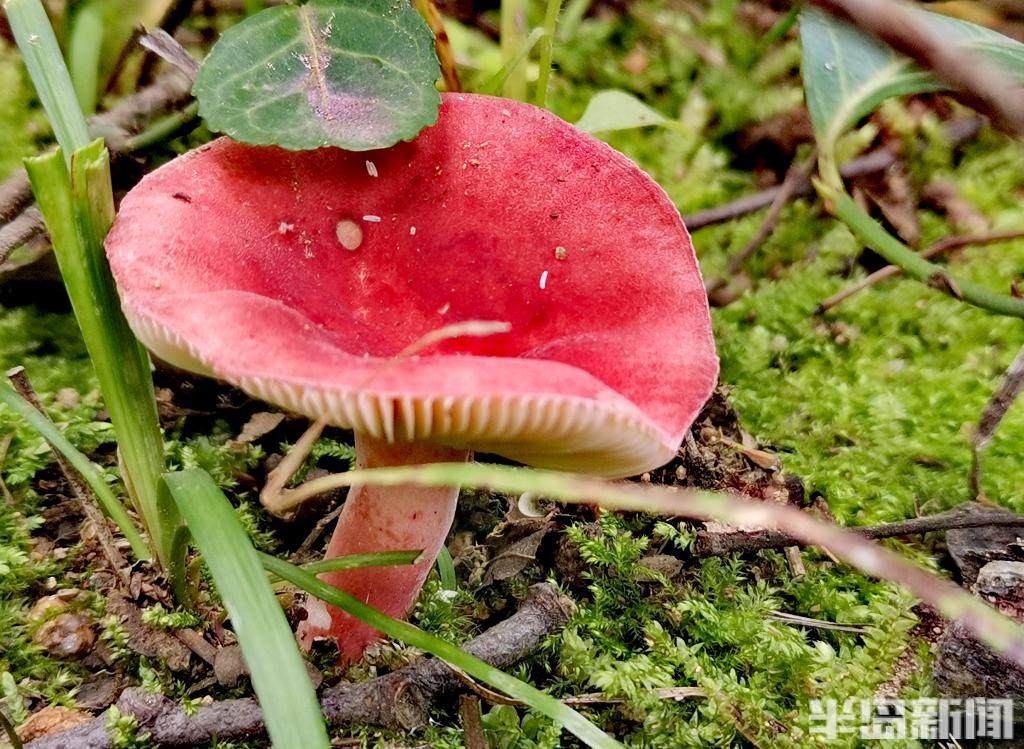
point(378, 518)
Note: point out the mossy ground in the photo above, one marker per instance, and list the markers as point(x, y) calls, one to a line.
point(872, 405)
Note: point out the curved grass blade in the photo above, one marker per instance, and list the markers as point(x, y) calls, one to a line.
point(571, 720)
point(1000, 633)
point(287, 699)
point(357, 74)
point(355, 561)
point(48, 431)
point(446, 569)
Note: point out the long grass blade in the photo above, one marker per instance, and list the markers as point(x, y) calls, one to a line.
point(571, 720)
point(287, 699)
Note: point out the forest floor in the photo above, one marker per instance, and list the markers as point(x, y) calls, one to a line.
point(868, 407)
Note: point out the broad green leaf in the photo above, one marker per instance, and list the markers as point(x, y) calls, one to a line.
point(847, 73)
point(617, 110)
point(279, 677)
point(404, 632)
point(357, 74)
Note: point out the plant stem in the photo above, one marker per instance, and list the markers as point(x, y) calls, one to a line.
point(111, 505)
point(78, 218)
point(45, 65)
point(513, 39)
point(871, 233)
point(547, 48)
point(163, 129)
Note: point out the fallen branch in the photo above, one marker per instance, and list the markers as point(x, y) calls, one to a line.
point(1002, 399)
point(949, 244)
point(116, 126)
point(399, 701)
point(965, 516)
point(984, 87)
point(20, 231)
point(797, 174)
point(957, 132)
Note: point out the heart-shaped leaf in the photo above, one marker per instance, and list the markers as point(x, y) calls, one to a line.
point(358, 74)
point(847, 73)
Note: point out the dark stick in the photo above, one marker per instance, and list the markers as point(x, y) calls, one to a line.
point(957, 131)
point(116, 126)
point(979, 84)
point(399, 701)
point(20, 231)
point(472, 727)
point(797, 174)
point(1002, 399)
point(965, 516)
point(82, 493)
point(949, 244)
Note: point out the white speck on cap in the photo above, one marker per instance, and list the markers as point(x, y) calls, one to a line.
point(284, 227)
point(412, 230)
point(544, 280)
point(350, 235)
point(371, 168)
point(371, 218)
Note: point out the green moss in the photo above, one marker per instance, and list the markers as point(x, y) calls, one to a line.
point(21, 121)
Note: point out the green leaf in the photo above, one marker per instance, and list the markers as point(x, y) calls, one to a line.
point(279, 677)
point(847, 73)
point(358, 74)
point(571, 720)
point(617, 110)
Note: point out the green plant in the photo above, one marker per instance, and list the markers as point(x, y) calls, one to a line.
point(75, 196)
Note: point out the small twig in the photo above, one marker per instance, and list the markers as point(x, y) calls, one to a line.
point(957, 132)
point(719, 544)
point(116, 125)
point(981, 85)
point(5, 446)
point(806, 621)
point(399, 701)
point(797, 175)
point(12, 734)
point(472, 726)
point(84, 497)
point(275, 496)
point(20, 231)
point(1002, 399)
point(303, 552)
point(169, 49)
point(949, 244)
point(442, 44)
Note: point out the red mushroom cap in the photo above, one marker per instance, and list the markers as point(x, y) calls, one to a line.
point(301, 276)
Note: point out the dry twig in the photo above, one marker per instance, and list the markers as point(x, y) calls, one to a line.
point(84, 497)
point(964, 516)
point(957, 132)
point(1002, 399)
point(400, 700)
point(949, 244)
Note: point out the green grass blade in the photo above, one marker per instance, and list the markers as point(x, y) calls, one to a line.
point(355, 561)
point(446, 569)
point(48, 430)
point(45, 64)
point(499, 80)
point(286, 696)
point(410, 635)
point(84, 51)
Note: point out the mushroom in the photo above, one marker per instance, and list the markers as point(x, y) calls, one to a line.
point(330, 283)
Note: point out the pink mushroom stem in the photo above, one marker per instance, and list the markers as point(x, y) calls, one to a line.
point(376, 519)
